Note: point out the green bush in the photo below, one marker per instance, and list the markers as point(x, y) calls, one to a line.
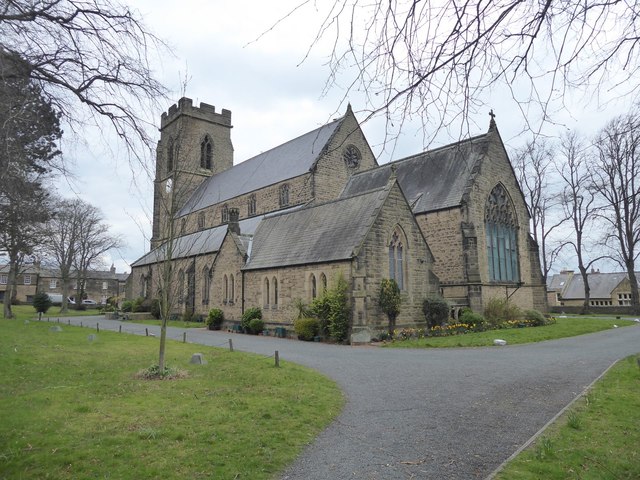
point(41, 302)
point(500, 310)
point(306, 328)
point(333, 311)
point(436, 311)
point(248, 315)
point(155, 308)
point(215, 319)
point(471, 318)
point(127, 306)
point(535, 317)
point(389, 301)
point(256, 325)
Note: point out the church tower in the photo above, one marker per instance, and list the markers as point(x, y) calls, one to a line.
point(195, 143)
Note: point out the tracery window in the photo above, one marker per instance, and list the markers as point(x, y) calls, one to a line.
point(225, 286)
point(206, 153)
point(284, 195)
point(314, 287)
point(251, 205)
point(232, 289)
point(396, 259)
point(225, 213)
point(501, 233)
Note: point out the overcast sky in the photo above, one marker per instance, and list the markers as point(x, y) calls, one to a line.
point(219, 59)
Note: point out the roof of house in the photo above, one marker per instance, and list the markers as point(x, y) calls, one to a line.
point(600, 285)
point(431, 180)
point(559, 281)
point(320, 233)
point(291, 159)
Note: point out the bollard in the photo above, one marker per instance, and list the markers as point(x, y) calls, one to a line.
point(146, 331)
point(184, 337)
point(230, 345)
point(120, 329)
point(98, 327)
point(80, 323)
point(68, 321)
point(277, 356)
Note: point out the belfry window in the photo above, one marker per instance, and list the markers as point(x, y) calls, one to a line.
point(396, 260)
point(170, 155)
point(206, 153)
point(501, 233)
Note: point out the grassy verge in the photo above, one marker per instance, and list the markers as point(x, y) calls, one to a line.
point(564, 327)
point(71, 407)
point(27, 311)
point(173, 323)
point(595, 439)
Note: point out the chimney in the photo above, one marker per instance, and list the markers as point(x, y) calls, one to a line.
point(113, 269)
point(234, 225)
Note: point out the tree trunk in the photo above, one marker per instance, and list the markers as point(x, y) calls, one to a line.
point(633, 281)
point(10, 293)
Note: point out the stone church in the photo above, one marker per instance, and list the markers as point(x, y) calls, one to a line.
point(280, 227)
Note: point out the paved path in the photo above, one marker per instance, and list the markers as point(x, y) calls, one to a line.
point(433, 413)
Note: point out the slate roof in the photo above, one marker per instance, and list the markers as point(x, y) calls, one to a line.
point(289, 160)
point(321, 233)
point(203, 241)
point(431, 180)
point(600, 285)
point(559, 281)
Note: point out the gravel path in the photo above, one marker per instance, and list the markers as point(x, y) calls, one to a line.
point(432, 413)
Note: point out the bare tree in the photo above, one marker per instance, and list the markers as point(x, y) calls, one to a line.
point(436, 59)
point(90, 58)
point(77, 237)
point(533, 165)
point(617, 182)
point(579, 203)
point(93, 241)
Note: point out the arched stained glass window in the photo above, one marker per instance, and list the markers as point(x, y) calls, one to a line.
point(502, 237)
point(232, 289)
point(225, 289)
point(206, 284)
point(265, 292)
point(323, 281)
point(275, 291)
point(314, 287)
point(396, 259)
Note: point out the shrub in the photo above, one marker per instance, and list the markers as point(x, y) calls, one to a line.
point(389, 301)
point(332, 311)
point(127, 306)
point(306, 328)
point(535, 317)
point(41, 302)
point(248, 315)
point(140, 304)
point(215, 319)
point(155, 308)
point(499, 310)
point(256, 325)
point(303, 310)
point(471, 318)
point(436, 311)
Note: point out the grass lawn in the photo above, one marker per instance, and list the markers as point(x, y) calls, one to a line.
point(596, 439)
point(173, 323)
point(564, 327)
point(71, 407)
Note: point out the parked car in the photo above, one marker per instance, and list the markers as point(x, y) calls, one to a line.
point(88, 301)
